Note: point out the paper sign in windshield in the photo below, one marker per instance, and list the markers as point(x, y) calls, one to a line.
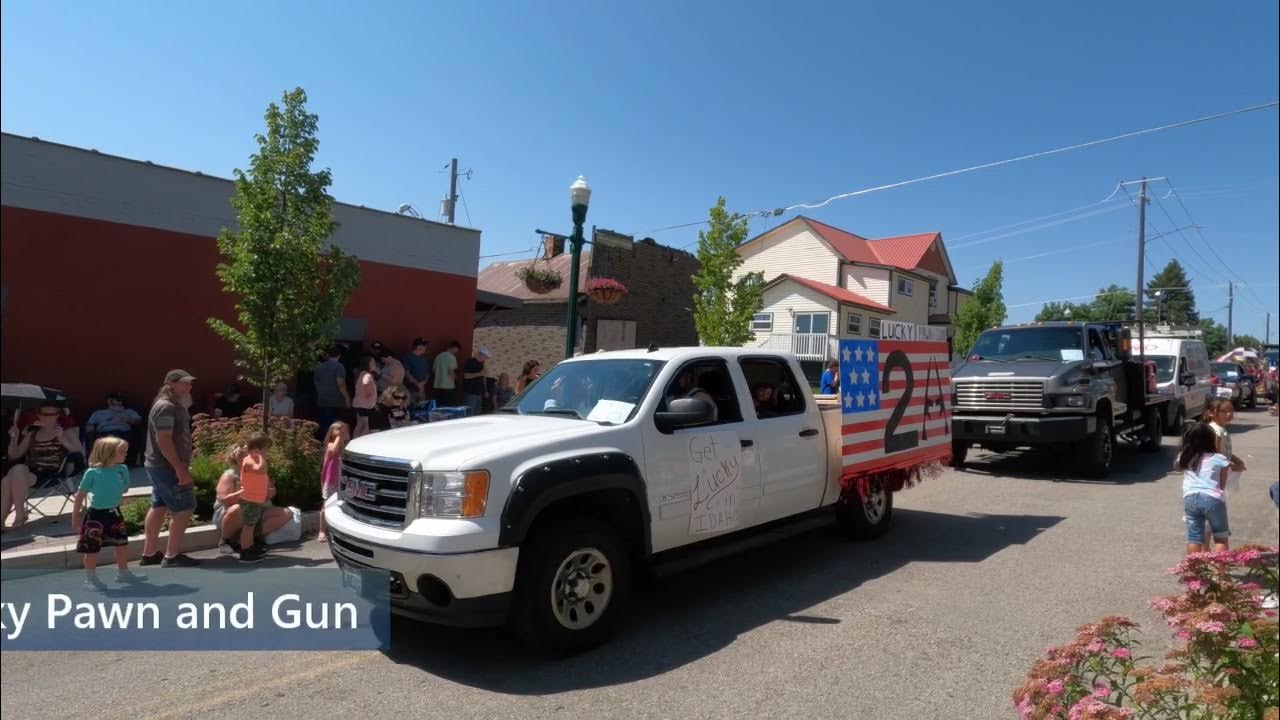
point(611, 411)
point(715, 468)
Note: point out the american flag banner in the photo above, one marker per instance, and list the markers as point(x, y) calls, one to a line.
point(895, 398)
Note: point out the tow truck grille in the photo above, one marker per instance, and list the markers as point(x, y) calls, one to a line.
point(375, 490)
point(1000, 395)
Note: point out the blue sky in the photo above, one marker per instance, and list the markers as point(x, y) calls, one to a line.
point(664, 105)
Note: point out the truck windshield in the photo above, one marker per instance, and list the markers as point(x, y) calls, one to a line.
point(1031, 343)
point(603, 391)
point(1225, 370)
point(1164, 367)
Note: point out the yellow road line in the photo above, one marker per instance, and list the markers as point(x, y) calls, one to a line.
point(220, 699)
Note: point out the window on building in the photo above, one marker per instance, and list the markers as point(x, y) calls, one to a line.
point(762, 322)
point(816, 323)
point(933, 296)
point(873, 328)
point(906, 286)
point(853, 325)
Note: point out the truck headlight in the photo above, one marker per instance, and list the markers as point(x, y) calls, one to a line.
point(1074, 401)
point(452, 494)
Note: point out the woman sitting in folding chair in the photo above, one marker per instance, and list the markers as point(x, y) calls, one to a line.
point(48, 455)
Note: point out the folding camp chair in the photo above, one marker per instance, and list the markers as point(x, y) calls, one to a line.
point(62, 483)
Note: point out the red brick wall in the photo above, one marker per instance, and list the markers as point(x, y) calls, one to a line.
point(92, 306)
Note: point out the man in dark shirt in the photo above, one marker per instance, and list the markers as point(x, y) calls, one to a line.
point(473, 385)
point(232, 404)
point(417, 371)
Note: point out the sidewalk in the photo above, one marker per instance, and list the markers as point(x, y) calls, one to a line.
point(56, 528)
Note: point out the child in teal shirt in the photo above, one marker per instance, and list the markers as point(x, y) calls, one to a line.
point(104, 484)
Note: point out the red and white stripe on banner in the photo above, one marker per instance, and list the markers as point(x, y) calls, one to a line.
point(907, 429)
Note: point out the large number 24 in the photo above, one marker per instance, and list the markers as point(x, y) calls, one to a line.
point(899, 441)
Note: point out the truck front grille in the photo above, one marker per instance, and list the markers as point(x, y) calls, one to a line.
point(375, 490)
point(1006, 395)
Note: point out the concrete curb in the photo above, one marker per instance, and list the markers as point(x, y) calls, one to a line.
point(63, 554)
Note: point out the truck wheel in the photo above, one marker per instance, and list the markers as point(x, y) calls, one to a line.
point(865, 518)
point(1253, 397)
point(571, 586)
point(1179, 419)
point(1093, 454)
point(959, 450)
point(1154, 429)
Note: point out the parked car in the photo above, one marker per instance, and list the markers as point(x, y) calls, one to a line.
point(541, 514)
point(1231, 381)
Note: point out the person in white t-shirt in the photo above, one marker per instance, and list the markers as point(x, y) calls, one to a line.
point(1204, 476)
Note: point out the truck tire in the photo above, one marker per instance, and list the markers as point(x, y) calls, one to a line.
point(1154, 423)
point(867, 518)
point(1094, 453)
point(1179, 419)
point(959, 451)
point(571, 586)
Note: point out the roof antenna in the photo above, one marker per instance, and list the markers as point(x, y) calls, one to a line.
point(653, 347)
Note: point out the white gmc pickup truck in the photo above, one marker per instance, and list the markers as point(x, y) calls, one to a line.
point(538, 516)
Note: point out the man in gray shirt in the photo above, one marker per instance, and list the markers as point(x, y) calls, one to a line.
point(332, 396)
point(168, 467)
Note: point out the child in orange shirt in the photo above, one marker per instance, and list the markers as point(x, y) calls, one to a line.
point(254, 489)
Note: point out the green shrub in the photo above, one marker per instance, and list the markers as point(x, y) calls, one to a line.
point(293, 461)
point(134, 512)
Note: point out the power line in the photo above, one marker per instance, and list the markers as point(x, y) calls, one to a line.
point(1031, 156)
point(463, 196)
point(1033, 228)
point(1174, 191)
point(1172, 249)
point(1183, 235)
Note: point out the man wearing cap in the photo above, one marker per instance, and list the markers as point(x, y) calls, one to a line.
point(168, 466)
point(474, 390)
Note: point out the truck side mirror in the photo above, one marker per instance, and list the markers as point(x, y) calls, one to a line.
point(683, 413)
point(1189, 379)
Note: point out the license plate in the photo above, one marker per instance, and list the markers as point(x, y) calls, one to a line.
point(352, 580)
point(995, 429)
point(1224, 392)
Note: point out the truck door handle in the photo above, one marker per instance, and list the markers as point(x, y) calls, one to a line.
point(746, 443)
point(808, 432)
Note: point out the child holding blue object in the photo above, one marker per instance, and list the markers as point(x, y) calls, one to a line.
point(103, 484)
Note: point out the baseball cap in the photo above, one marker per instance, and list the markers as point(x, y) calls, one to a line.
point(485, 352)
point(174, 376)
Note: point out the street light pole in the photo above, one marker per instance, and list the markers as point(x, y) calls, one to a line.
point(579, 198)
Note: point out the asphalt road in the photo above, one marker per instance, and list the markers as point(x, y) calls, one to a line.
point(939, 619)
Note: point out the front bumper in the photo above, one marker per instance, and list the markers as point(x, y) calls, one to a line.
point(466, 589)
point(1022, 429)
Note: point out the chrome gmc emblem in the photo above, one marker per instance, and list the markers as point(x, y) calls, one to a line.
point(998, 396)
point(361, 490)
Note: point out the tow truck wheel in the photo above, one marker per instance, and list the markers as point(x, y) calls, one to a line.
point(1093, 454)
point(865, 518)
point(571, 586)
point(959, 450)
point(1179, 419)
point(1154, 429)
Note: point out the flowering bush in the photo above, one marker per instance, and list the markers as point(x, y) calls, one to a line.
point(1224, 664)
point(293, 461)
point(609, 284)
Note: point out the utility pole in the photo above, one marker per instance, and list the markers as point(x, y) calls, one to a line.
point(1268, 340)
point(451, 202)
point(1142, 254)
point(1231, 307)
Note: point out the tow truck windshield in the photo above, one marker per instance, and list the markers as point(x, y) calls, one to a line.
point(1030, 343)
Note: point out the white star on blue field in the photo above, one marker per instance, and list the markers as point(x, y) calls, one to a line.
point(859, 376)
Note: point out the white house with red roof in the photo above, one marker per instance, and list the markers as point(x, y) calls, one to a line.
point(823, 283)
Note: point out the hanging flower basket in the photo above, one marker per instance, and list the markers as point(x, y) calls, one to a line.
point(605, 291)
point(539, 280)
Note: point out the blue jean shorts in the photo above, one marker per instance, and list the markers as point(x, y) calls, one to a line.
point(167, 493)
point(1199, 509)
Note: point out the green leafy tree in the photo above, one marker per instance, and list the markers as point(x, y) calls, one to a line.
point(723, 307)
point(1176, 303)
point(290, 283)
point(984, 310)
point(1215, 337)
point(1113, 302)
point(1064, 311)
point(1247, 341)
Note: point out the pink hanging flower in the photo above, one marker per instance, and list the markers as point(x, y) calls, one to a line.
point(1055, 687)
point(1196, 584)
point(1121, 653)
point(1210, 626)
point(1246, 643)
